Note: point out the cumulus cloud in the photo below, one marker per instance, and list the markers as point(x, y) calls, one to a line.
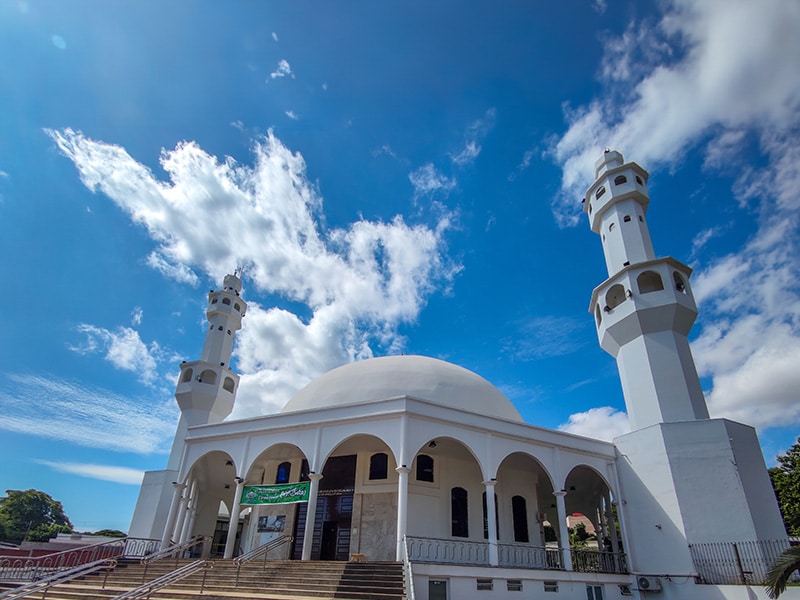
point(603, 423)
point(715, 76)
point(123, 348)
point(124, 475)
point(283, 70)
point(53, 408)
point(349, 288)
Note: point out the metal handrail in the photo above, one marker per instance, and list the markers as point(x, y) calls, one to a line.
point(263, 549)
point(146, 589)
point(175, 551)
point(409, 576)
point(32, 567)
point(44, 584)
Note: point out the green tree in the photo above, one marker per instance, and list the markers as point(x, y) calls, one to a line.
point(781, 571)
point(31, 515)
point(110, 533)
point(786, 481)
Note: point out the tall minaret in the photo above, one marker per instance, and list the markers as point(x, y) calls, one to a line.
point(207, 387)
point(645, 309)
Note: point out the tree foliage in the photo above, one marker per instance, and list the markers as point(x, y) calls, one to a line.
point(31, 515)
point(781, 571)
point(786, 481)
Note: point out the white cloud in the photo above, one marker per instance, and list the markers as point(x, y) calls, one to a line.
point(123, 348)
point(283, 69)
point(122, 475)
point(603, 423)
point(718, 76)
point(48, 407)
point(540, 337)
point(356, 285)
point(136, 315)
point(292, 115)
point(428, 181)
point(274, 36)
point(473, 137)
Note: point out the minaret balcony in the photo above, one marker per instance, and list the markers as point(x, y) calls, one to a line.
point(206, 378)
point(643, 298)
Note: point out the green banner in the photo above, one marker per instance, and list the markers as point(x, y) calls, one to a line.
point(288, 493)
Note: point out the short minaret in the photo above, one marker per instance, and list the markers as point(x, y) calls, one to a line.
point(645, 309)
point(207, 387)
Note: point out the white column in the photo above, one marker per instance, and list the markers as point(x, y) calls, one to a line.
point(563, 534)
point(311, 515)
point(173, 513)
point(233, 525)
point(402, 508)
point(491, 522)
point(182, 508)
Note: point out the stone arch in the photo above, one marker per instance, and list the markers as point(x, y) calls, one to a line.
point(615, 296)
point(522, 474)
point(211, 484)
point(649, 281)
point(589, 493)
point(208, 376)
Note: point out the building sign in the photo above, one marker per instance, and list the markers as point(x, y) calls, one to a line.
point(288, 493)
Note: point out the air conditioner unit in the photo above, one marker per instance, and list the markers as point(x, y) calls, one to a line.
point(648, 584)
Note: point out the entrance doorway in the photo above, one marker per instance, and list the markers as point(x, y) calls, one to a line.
point(437, 589)
point(327, 547)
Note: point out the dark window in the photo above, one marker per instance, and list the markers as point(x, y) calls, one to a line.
point(214, 300)
point(237, 307)
point(424, 468)
point(627, 218)
point(485, 585)
point(304, 471)
point(620, 179)
point(514, 585)
point(639, 180)
point(600, 192)
point(615, 296)
point(226, 300)
point(378, 466)
point(519, 511)
point(458, 512)
point(649, 281)
point(228, 384)
point(187, 375)
point(284, 472)
point(680, 284)
point(486, 518)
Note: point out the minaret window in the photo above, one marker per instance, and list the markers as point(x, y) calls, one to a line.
point(187, 376)
point(626, 218)
point(208, 376)
point(680, 283)
point(226, 301)
point(639, 180)
point(378, 466)
point(459, 514)
point(620, 179)
point(615, 296)
point(598, 314)
point(214, 300)
point(611, 227)
point(600, 192)
point(649, 281)
point(228, 385)
point(237, 307)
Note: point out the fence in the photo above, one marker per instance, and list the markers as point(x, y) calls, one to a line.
point(729, 563)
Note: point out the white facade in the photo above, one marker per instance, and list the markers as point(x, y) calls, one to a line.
point(413, 456)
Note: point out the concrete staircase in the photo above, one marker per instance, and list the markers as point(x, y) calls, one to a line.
point(277, 580)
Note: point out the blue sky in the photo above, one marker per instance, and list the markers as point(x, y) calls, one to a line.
point(394, 177)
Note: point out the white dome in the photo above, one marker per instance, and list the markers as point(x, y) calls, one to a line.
point(397, 376)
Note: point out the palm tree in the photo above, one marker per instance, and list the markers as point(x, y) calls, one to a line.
point(781, 571)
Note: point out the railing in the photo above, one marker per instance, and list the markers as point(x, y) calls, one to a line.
point(21, 568)
point(146, 589)
point(140, 547)
point(409, 576)
point(529, 557)
point(176, 551)
point(263, 549)
point(735, 562)
point(597, 561)
point(45, 583)
point(455, 552)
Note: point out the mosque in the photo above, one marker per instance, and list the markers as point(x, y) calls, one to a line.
point(408, 458)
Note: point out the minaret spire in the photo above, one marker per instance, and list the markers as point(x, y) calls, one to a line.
point(645, 309)
point(207, 387)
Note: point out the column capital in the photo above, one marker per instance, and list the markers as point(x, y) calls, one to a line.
point(560, 494)
point(315, 476)
point(178, 486)
point(403, 470)
point(490, 483)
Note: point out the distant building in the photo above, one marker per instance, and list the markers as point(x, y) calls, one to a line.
point(408, 456)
